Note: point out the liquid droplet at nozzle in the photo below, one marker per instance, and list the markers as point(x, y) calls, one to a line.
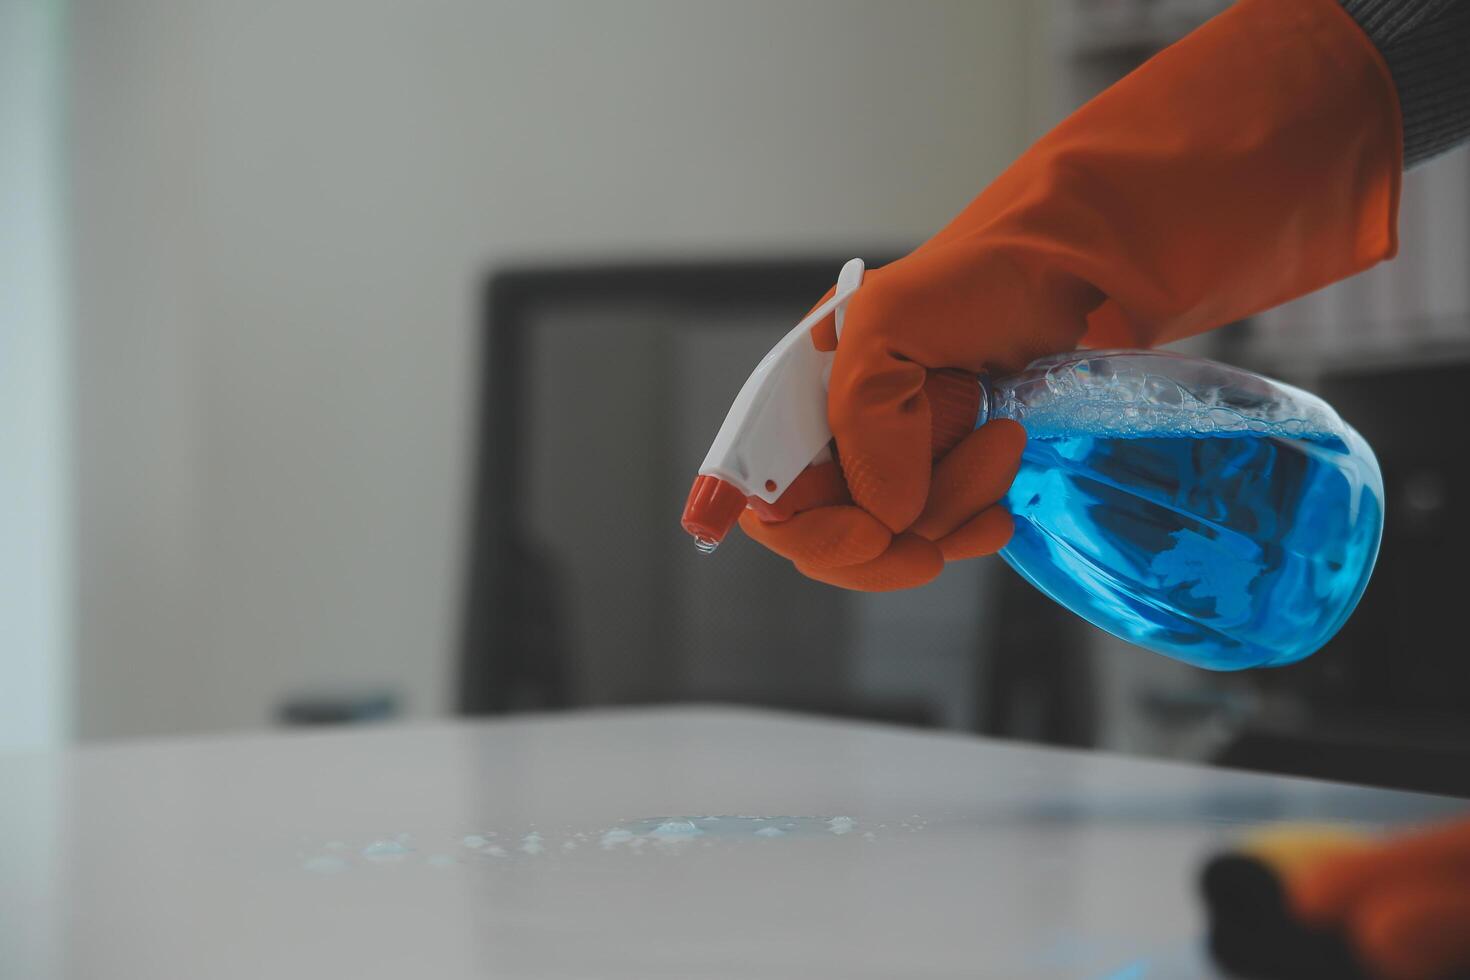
point(705, 546)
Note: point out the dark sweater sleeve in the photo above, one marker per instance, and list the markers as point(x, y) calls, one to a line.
point(1426, 44)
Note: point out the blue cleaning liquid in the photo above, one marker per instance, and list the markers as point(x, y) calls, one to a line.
point(1221, 540)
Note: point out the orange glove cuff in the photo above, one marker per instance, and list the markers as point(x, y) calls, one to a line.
point(1295, 144)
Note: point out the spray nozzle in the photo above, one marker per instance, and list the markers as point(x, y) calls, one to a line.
point(776, 427)
point(711, 511)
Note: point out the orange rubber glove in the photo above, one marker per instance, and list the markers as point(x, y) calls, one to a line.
point(1255, 160)
point(1322, 901)
point(1404, 905)
point(840, 544)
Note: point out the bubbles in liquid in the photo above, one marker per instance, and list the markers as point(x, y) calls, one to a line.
point(770, 832)
point(1131, 394)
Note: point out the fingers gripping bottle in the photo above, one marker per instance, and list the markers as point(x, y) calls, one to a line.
point(1195, 509)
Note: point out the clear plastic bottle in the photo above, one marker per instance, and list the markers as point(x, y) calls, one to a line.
point(1195, 509)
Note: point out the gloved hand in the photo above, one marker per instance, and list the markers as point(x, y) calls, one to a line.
point(1404, 905)
point(1321, 901)
point(1256, 160)
point(835, 542)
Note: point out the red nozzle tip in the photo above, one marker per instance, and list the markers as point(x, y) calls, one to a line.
point(713, 508)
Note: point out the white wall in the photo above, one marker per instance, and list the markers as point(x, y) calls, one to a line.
point(35, 495)
point(283, 212)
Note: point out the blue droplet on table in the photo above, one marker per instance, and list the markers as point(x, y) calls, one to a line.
point(386, 850)
point(677, 828)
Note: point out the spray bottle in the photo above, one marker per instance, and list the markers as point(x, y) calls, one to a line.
point(1200, 511)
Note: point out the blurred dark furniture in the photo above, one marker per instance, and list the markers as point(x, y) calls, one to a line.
point(1037, 682)
point(1387, 701)
point(328, 708)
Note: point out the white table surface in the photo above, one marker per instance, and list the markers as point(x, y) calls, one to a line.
point(243, 856)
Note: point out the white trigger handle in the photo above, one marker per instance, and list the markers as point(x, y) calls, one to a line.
point(777, 424)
